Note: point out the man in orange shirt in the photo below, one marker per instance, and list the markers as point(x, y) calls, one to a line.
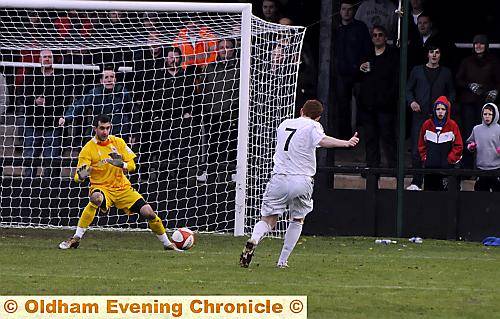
point(105, 159)
point(198, 45)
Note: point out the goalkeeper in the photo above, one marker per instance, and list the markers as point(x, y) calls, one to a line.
point(105, 159)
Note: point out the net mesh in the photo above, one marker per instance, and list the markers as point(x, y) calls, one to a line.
point(170, 82)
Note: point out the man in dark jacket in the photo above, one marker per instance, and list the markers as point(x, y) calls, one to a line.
point(108, 98)
point(378, 99)
point(220, 88)
point(44, 100)
point(426, 83)
point(352, 43)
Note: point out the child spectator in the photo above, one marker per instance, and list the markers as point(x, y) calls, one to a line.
point(478, 81)
point(440, 143)
point(485, 139)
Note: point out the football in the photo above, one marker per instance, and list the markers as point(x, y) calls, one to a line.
point(183, 238)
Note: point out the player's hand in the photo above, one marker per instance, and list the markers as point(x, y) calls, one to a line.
point(83, 172)
point(353, 141)
point(415, 107)
point(61, 121)
point(115, 160)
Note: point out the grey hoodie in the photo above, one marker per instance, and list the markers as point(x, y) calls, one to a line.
point(487, 138)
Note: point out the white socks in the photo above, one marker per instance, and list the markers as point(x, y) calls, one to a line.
point(80, 231)
point(164, 239)
point(292, 235)
point(260, 230)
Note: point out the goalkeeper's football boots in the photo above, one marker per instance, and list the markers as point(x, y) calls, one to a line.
point(247, 254)
point(72, 242)
point(282, 265)
point(172, 246)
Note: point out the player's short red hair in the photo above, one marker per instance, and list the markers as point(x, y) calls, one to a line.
point(312, 109)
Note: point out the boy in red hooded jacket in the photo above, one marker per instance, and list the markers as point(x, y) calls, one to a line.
point(440, 143)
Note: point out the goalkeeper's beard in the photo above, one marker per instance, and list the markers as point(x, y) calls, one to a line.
point(101, 138)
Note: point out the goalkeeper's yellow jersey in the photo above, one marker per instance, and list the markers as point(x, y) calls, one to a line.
point(103, 174)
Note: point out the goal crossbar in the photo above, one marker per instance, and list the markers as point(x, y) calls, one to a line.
point(128, 5)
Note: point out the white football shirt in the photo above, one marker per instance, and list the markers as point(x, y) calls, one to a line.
point(297, 140)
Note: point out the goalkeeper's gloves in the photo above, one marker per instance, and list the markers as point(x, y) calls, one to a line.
point(491, 96)
point(83, 172)
point(116, 160)
point(476, 88)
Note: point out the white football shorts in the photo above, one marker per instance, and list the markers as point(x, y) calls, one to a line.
point(288, 191)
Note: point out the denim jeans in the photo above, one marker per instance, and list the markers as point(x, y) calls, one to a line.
point(42, 141)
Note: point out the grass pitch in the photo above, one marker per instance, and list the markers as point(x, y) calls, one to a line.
point(343, 277)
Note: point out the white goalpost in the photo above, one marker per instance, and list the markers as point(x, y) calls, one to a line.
point(196, 89)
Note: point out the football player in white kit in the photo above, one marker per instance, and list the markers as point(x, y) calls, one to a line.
point(291, 183)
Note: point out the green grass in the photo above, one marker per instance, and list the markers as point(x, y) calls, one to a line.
point(343, 277)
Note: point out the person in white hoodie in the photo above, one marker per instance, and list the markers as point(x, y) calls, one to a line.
point(485, 140)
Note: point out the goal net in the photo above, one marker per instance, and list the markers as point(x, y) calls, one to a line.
point(196, 90)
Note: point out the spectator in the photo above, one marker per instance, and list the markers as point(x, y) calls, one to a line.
point(149, 81)
point(378, 100)
point(417, 8)
point(198, 45)
point(108, 98)
point(440, 143)
point(425, 84)
point(172, 111)
point(74, 25)
point(428, 35)
point(352, 43)
point(378, 12)
point(485, 139)
point(45, 99)
point(271, 11)
point(80, 81)
point(220, 88)
point(147, 62)
point(478, 81)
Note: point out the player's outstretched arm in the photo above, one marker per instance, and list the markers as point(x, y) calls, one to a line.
point(330, 142)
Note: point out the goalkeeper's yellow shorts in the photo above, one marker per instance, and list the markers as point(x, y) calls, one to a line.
point(122, 199)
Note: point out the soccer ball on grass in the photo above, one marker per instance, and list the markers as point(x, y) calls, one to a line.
point(183, 238)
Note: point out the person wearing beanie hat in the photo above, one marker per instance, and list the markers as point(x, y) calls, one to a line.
point(478, 82)
point(481, 38)
point(485, 142)
point(440, 143)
